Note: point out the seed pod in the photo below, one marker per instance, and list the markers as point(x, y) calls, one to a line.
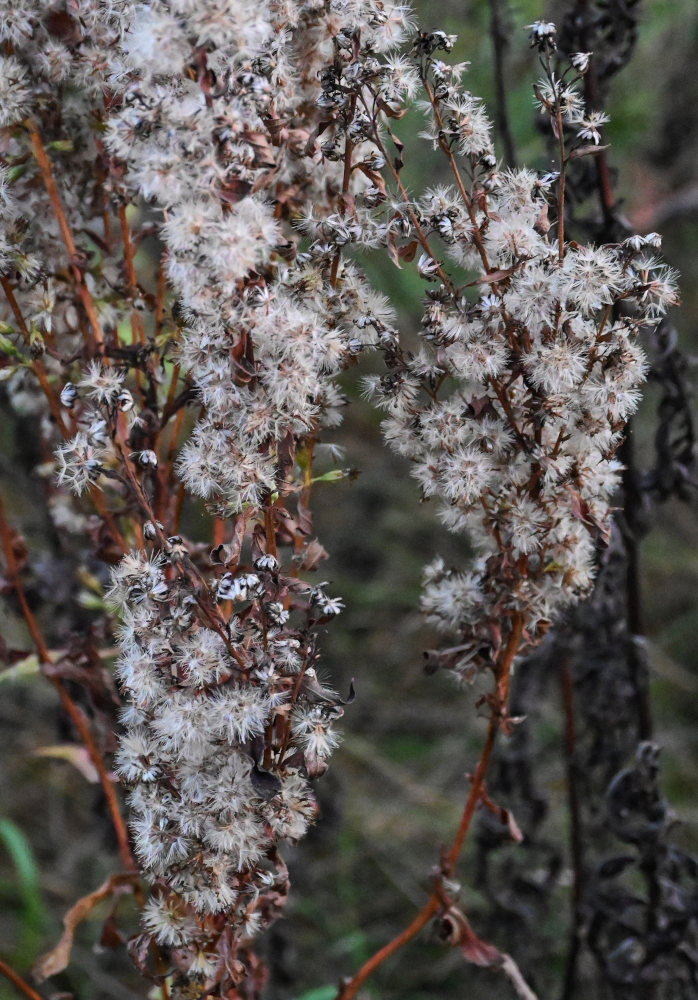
point(124, 401)
point(147, 459)
point(69, 394)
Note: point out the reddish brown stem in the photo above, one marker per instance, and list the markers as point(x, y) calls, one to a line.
point(346, 180)
point(503, 398)
point(166, 473)
point(270, 529)
point(432, 905)
point(218, 530)
point(106, 515)
point(421, 920)
point(136, 324)
point(128, 253)
point(421, 237)
point(467, 201)
point(575, 828)
point(74, 713)
point(498, 710)
point(36, 366)
point(173, 387)
point(560, 186)
point(44, 165)
point(160, 299)
point(17, 981)
point(137, 332)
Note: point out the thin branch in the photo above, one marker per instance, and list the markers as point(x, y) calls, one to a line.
point(75, 714)
point(17, 981)
point(560, 183)
point(575, 831)
point(137, 332)
point(346, 180)
point(433, 904)
point(467, 200)
point(500, 43)
point(498, 712)
point(421, 237)
point(36, 366)
point(44, 165)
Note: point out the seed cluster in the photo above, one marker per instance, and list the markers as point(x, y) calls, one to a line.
point(252, 144)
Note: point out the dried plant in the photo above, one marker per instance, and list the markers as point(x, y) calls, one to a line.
point(596, 665)
point(248, 149)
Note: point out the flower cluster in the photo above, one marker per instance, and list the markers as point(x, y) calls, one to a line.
point(513, 409)
point(193, 123)
point(225, 723)
point(260, 340)
point(53, 82)
point(251, 144)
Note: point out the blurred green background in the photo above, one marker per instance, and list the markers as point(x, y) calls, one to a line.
point(395, 789)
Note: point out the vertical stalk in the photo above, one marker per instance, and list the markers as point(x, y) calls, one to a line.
point(500, 43)
point(477, 786)
point(75, 714)
point(44, 165)
point(575, 830)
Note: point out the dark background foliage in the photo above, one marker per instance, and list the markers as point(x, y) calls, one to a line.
point(600, 899)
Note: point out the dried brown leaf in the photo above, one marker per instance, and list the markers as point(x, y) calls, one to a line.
point(57, 959)
point(458, 932)
point(408, 251)
point(313, 555)
point(588, 150)
point(542, 224)
point(75, 755)
point(493, 277)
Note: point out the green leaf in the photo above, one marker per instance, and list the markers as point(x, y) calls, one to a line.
point(27, 667)
point(330, 477)
point(61, 145)
point(33, 912)
point(14, 173)
point(8, 348)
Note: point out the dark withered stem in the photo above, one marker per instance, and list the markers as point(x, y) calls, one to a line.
point(500, 43)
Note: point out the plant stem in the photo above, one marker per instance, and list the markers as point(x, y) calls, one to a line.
point(575, 830)
point(561, 184)
point(346, 180)
point(44, 165)
point(75, 714)
point(17, 981)
point(500, 43)
point(433, 904)
point(36, 366)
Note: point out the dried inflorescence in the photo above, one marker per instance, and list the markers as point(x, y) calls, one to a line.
point(198, 120)
point(514, 407)
point(251, 141)
point(227, 722)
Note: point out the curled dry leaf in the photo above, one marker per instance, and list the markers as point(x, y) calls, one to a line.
point(313, 555)
point(589, 150)
point(75, 755)
point(55, 960)
point(456, 931)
